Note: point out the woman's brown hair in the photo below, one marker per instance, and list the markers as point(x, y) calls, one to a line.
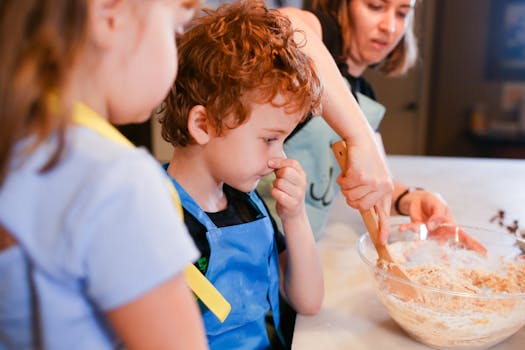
point(233, 56)
point(403, 56)
point(39, 40)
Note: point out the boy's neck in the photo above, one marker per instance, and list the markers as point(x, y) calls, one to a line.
point(193, 175)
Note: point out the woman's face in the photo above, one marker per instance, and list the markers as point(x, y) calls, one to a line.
point(376, 27)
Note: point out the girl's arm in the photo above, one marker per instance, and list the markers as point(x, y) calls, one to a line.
point(366, 181)
point(165, 318)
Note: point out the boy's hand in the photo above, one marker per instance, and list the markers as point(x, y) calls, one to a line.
point(289, 187)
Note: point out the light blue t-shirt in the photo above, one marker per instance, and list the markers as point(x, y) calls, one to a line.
point(94, 233)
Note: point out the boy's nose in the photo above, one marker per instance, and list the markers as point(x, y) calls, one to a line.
point(278, 153)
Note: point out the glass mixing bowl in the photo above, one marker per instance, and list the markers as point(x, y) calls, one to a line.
point(462, 300)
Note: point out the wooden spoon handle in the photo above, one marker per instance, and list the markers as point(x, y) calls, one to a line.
point(402, 290)
point(369, 216)
point(371, 222)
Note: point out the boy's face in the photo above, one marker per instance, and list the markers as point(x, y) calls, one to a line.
point(239, 157)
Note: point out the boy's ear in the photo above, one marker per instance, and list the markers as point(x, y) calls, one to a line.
point(198, 126)
point(106, 17)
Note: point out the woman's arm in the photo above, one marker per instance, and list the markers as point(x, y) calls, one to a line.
point(165, 318)
point(366, 181)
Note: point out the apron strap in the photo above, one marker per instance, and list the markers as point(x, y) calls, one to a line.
point(254, 197)
point(190, 205)
point(207, 293)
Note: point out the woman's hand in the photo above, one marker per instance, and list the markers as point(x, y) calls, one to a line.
point(429, 208)
point(451, 232)
point(366, 183)
point(425, 207)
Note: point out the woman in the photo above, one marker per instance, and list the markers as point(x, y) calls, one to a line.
point(358, 34)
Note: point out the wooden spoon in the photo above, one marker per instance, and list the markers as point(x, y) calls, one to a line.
point(402, 290)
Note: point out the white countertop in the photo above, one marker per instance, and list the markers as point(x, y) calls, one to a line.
point(352, 317)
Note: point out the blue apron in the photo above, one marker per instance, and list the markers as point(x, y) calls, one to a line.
point(243, 266)
point(311, 146)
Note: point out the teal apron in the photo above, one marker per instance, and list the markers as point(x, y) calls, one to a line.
point(243, 266)
point(311, 147)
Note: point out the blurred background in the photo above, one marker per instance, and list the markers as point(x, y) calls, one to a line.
point(466, 96)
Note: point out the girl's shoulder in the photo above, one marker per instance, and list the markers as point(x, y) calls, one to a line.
point(103, 203)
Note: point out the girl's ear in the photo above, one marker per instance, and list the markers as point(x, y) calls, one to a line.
point(198, 125)
point(106, 17)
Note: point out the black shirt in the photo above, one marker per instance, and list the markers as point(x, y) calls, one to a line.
point(240, 210)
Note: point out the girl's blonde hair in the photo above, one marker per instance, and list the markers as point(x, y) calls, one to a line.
point(399, 61)
point(39, 43)
point(39, 40)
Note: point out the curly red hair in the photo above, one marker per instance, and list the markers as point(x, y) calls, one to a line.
point(232, 56)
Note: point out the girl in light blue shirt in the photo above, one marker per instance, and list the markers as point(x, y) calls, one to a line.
point(86, 260)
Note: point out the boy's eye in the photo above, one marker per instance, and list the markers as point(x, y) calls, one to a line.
point(270, 139)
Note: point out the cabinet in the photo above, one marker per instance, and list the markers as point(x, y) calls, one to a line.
point(496, 144)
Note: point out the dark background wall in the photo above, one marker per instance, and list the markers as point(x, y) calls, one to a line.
point(456, 82)
point(459, 81)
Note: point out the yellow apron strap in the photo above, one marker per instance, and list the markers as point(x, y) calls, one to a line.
point(199, 284)
point(207, 293)
point(83, 115)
